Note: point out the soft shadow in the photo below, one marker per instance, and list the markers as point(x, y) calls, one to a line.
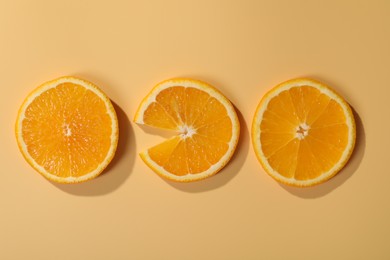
point(345, 173)
point(227, 173)
point(117, 171)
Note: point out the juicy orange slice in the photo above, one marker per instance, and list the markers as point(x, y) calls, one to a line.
point(206, 124)
point(67, 130)
point(303, 132)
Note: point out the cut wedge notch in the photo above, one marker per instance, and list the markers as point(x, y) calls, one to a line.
point(67, 130)
point(303, 132)
point(206, 124)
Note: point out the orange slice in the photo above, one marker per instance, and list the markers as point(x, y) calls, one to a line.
point(206, 124)
point(67, 130)
point(303, 132)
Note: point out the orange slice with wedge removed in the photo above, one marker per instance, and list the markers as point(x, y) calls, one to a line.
point(206, 124)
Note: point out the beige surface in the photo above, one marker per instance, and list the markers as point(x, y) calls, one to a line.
point(241, 47)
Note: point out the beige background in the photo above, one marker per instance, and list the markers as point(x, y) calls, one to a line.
point(243, 48)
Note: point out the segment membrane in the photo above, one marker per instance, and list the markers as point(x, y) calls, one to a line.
point(221, 130)
point(333, 114)
point(213, 111)
point(173, 101)
point(272, 142)
point(284, 161)
point(303, 98)
point(177, 162)
point(307, 164)
point(213, 149)
point(161, 152)
point(156, 115)
point(196, 101)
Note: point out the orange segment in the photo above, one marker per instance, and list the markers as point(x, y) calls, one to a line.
point(325, 153)
point(303, 132)
point(213, 110)
point(213, 149)
point(221, 129)
point(208, 129)
point(273, 123)
point(177, 162)
point(67, 130)
point(197, 160)
point(317, 108)
point(173, 101)
point(157, 116)
point(272, 142)
point(335, 135)
point(333, 114)
point(307, 166)
point(287, 154)
point(196, 101)
point(161, 153)
point(302, 98)
point(283, 107)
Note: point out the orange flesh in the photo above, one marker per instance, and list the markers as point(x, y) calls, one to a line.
point(308, 156)
point(203, 123)
point(67, 130)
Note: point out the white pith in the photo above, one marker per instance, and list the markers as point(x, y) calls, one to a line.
point(188, 131)
point(259, 115)
point(67, 130)
point(302, 131)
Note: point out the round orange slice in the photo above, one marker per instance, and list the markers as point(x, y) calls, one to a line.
point(303, 132)
point(67, 130)
point(206, 124)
